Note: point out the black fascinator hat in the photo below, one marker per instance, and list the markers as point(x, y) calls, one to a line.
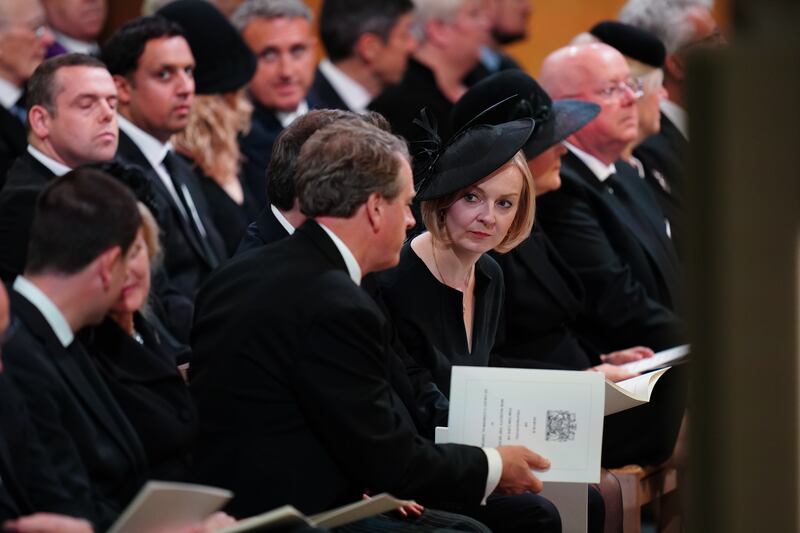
point(471, 154)
point(512, 94)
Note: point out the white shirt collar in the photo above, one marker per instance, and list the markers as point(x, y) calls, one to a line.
point(153, 149)
point(74, 45)
point(287, 117)
point(677, 115)
point(353, 93)
point(282, 219)
point(49, 311)
point(349, 259)
point(598, 168)
point(59, 169)
point(9, 93)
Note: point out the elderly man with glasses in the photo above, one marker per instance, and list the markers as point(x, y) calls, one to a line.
point(24, 39)
point(604, 219)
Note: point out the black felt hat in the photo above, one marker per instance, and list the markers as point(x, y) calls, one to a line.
point(631, 41)
point(224, 63)
point(522, 97)
point(470, 155)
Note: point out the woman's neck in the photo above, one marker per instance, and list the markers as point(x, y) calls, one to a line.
point(450, 267)
point(124, 320)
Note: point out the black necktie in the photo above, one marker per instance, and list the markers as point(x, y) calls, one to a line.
point(190, 212)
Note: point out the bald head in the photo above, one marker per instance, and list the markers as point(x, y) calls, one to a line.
point(597, 73)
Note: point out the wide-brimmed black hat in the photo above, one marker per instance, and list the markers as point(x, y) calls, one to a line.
point(470, 155)
point(522, 97)
point(631, 41)
point(224, 63)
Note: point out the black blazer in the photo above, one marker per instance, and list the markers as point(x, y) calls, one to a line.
point(147, 386)
point(26, 179)
point(326, 95)
point(94, 451)
point(664, 158)
point(186, 259)
point(13, 141)
point(612, 235)
point(426, 405)
point(291, 377)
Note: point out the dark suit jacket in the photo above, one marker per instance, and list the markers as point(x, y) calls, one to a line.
point(28, 483)
point(185, 258)
point(613, 237)
point(291, 375)
point(95, 453)
point(326, 95)
point(12, 141)
point(663, 156)
point(26, 179)
point(427, 407)
point(150, 391)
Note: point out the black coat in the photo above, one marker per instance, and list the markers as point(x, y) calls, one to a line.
point(186, 259)
point(613, 236)
point(92, 447)
point(146, 383)
point(25, 180)
point(664, 158)
point(327, 97)
point(12, 141)
point(291, 375)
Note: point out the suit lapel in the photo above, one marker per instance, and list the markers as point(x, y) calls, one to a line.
point(83, 380)
point(324, 95)
point(268, 226)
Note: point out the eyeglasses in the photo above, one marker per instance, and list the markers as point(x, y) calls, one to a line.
point(617, 90)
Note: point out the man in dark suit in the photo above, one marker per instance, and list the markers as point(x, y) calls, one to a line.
point(280, 34)
point(72, 102)
point(368, 43)
point(82, 231)
point(297, 388)
point(156, 90)
point(604, 220)
point(23, 42)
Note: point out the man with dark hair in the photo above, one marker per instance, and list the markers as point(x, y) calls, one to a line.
point(368, 44)
point(152, 66)
point(296, 389)
point(72, 104)
point(23, 42)
point(80, 245)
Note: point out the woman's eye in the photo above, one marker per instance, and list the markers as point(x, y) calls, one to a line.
point(470, 197)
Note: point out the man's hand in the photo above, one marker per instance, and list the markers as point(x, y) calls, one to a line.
point(517, 464)
point(626, 356)
point(48, 523)
point(613, 372)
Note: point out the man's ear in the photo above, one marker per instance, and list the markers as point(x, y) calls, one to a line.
point(436, 32)
point(367, 47)
point(105, 263)
point(39, 119)
point(123, 88)
point(673, 66)
point(374, 206)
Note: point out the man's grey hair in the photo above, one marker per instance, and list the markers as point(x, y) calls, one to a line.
point(428, 10)
point(342, 164)
point(666, 19)
point(269, 9)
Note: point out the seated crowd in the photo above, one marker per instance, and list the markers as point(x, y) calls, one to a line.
point(223, 263)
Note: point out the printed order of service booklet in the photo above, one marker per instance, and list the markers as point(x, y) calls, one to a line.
point(556, 413)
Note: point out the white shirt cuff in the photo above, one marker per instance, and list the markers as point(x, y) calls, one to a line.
point(495, 464)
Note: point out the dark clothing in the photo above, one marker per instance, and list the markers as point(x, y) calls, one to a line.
point(28, 482)
point(429, 315)
point(265, 230)
point(401, 104)
point(13, 141)
point(230, 218)
point(147, 386)
point(25, 180)
point(327, 97)
point(188, 255)
point(291, 377)
point(663, 156)
point(613, 236)
point(95, 453)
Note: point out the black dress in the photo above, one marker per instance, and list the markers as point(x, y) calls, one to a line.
point(147, 386)
point(429, 315)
